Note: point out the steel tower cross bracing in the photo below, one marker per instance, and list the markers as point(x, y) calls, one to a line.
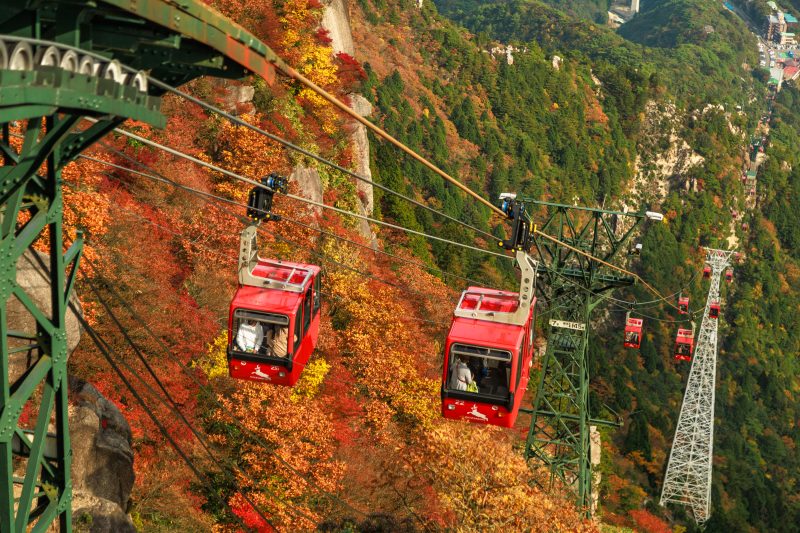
point(688, 477)
point(62, 61)
point(561, 414)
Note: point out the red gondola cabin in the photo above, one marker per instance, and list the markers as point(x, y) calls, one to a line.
point(684, 344)
point(706, 271)
point(713, 310)
point(729, 275)
point(683, 305)
point(273, 322)
point(488, 354)
point(633, 332)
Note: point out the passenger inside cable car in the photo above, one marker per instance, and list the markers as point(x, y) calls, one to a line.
point(274, 317)
point(633, 332)
point(684, 344)
point(683, 305)
point(488, 355)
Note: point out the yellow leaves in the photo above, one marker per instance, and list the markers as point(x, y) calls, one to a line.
point(313, 375)
point(214, 362)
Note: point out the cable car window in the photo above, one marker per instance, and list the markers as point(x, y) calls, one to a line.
point(260, 333)
point(530, 342)
point(480, 370)
point(307, 302)
point(298, 332)
point(520, 370)
point(317, 298)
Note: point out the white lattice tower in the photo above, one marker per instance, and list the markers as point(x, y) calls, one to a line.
point(688, 478)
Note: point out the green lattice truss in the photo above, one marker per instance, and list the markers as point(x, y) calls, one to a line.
point(559, 435)
point(56, 69)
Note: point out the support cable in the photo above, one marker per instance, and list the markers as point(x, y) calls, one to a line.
point(609, 265)
point(172, 405)
point(286, 69)
point(292, 73)
point(104, 349)
point(191, 190)
point(238, 121)
point(260, 185)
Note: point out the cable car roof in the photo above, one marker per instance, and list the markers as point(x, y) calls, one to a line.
point(284, 275)
point(267, 300)
point(482, 333)
point(483, 299)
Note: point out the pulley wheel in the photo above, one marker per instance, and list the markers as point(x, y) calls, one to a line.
point(139, 81)
point(70, 61)
point(21, 57)
point(48, 57)
point(3, 56)
point(86, 66)
point(113, 71)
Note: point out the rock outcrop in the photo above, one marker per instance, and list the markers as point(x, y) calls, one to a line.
point(336, 19)
point(309, 183)
point(102, 458)
point(361, 159)
point(102, 461)
point(36, 283)
point(664, 159)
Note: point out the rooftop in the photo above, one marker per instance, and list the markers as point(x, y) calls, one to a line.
point(789, 18)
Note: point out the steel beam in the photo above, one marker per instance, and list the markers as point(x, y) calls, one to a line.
point(561, 416)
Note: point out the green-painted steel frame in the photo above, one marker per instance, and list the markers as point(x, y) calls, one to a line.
point(45, 491)
point(561, 414)
point(174, 42)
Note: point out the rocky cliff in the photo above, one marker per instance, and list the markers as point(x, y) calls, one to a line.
point(102, 461)
point(336, 20)
point(665, 158)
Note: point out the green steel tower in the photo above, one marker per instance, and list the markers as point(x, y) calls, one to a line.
point(574, 247)
point(61, 62)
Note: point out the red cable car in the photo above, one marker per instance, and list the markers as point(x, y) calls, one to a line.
point(683, 305)
point(489, 352)
point(707, 271)
point(729, 275)
point(273, 322)
point(713, 310)
point(633, 332)
point(684, 344)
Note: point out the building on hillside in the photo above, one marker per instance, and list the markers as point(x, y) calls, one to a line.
point(776, 24)
point(787, 38)
point(772, 5)
point(614, 20)
point(790, 73)
point(791, 20)
point(634, 6)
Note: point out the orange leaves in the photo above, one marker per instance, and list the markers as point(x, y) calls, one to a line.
point(648, 523)
point(297, 432)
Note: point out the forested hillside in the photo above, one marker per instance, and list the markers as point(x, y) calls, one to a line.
point(360, 444)
point(756, 438)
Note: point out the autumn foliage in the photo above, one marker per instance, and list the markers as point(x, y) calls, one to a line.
point(361, 433)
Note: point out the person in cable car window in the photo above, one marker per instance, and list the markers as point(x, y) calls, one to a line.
point(461, 377)
point(683, 349)
point(278, 342)
point(632, 337)
point(250, 336)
